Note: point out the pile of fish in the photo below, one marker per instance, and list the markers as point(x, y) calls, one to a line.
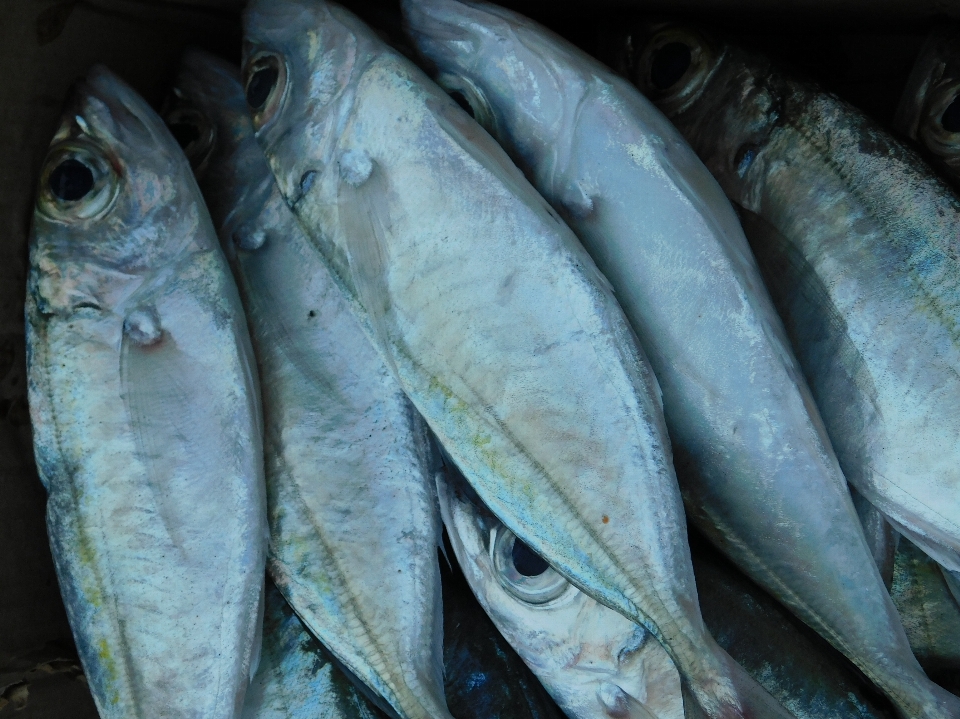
point(340, 309)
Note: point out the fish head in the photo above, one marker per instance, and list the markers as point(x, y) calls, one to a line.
point(300, 63)
point(110, 208)
point(592, 660)
point(725, 101)
point(208, 114)
point(512, 75)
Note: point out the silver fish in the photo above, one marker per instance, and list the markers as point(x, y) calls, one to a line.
point(146, 416)
point(857, 241)
point(929, 109)
point(595, 662)
point(353, 516)
point(755, 465)
point(297, 677)
point(494, 319)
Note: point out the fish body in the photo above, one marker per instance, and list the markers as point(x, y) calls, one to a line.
point(146, 416)
point(755, 465)
point(595, 662)
point(857, 241)
point(929, 109)
point(353, 517)
point(298, 678)
point(491, 315)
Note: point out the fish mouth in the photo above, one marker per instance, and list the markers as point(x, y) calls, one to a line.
point(445, 29)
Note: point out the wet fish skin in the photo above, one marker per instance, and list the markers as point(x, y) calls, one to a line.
point(595, 662)
point(856, 239)
point(298, 678)
point(491, 315)
point(929, 109)
point(755, 466)
point(349, 463)
point(146, 416)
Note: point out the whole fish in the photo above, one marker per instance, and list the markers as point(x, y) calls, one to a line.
point(354, 524)
point(929, 109)
point(146, 416)
point(492, 316)
point(483, 676)
point(858, 243)
point(756, 468)
point(595, 662)
point(297, 677)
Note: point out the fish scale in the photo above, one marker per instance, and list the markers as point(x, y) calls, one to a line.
point(540, 394)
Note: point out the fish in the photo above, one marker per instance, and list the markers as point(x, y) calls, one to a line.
point(857, 241)
point(297, 677)
point(929, 108)
point(492, 317)
point(755, 466)
point(595, 662)
point(354, 522)
point(144, 401)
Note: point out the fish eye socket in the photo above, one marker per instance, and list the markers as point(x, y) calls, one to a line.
point(939, 128)
point(77, 182)
point(523, 573)
point(195, 134)
point(673, 68)
point(950, 119)
point(470, 98)
point(265, 86)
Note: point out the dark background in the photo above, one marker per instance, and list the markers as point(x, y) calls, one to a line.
point(860, 49)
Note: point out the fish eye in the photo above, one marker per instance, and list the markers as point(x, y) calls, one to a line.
point(195, 134)
point(265, 83)
point(668, 64)
point(71, 180)
point(76, 182)
point(939, 128)
point(674, 67)
point(523, 572)
point(470, 98)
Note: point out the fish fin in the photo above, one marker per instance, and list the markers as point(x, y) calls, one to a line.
point(362, 203)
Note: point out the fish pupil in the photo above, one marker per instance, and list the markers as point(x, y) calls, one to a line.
point(71, 180)
point(670, 63)
point(950, 120)
point(526, 561)
point(260, 85)
point(462, 101)
point(184, 133)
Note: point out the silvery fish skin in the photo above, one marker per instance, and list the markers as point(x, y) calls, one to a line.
point(492, 316)
point(353, 515)
point(929, 109)
point(146, 416)
point(857, 241)
point(757, 470)
point(595, 662)
point(297, 677)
